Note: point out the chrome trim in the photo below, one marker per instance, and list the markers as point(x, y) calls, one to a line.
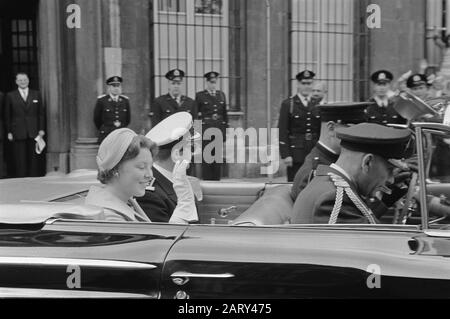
point(192, 275)
point(6, 292)
point(438, 233)
point(74, 261)
point(422, 179)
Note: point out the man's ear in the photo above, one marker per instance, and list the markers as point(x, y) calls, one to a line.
point(367, 162)
point(331, 126)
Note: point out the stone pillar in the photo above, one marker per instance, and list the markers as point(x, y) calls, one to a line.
point(51, 79)
point(399, 44)
point(89, 79)
point(257, 59)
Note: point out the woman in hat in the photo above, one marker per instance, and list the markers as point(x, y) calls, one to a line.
point(125, 162)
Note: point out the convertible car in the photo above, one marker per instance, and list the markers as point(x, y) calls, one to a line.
point(52, 245)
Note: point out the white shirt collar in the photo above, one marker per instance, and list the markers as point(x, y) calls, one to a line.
point(384, 102)
point(304, 99)
point(341, 170)
point(167, 174)
point(114, 98)
point(327, 148)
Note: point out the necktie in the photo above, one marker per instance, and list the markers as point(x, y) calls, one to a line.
point(24, 95)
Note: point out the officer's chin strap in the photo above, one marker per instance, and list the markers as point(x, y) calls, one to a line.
point(341, 186)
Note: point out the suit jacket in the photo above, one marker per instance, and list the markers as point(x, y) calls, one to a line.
point(315, 203)
point(159, 204)
point(164, 106)
point(296, 122)
point(24, 119)
point(2, 125)
point(302, 177)
point(384, 115)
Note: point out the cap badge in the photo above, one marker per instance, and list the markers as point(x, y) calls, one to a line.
point(307, 73)
point(382, 76)
point(416, 78)
point(176, 73)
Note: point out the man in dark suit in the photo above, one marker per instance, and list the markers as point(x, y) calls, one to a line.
point(212, 109)
point(327, 149)
point(25, 121)
point(112, 110)
point(365, 166)
point(299, 125)
point(2, 138)
point(173, 138)
point(172, 102)
point(382, 110)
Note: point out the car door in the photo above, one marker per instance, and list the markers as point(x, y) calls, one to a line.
point(303, 262)
point(84, 259)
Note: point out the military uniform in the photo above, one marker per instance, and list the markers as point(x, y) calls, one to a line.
point(382, 110)
point(299, 130)
point(212, 110)
point(332, 196)
point(321, 154)
point(111, 112)
point(166, 105)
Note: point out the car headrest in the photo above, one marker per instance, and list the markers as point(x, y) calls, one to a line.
point(273, 208)
point(36, 213)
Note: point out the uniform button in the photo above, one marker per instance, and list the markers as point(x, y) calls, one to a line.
point(308, 124)
point(308, 118)
point(309, 113)
point(308, 130)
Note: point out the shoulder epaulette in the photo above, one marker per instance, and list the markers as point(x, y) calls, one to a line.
point(99, 97)
point(125, 97)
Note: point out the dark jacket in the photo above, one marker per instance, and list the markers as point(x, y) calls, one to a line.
point(159, 204)
point(164, 106)
point(299, 128)
point(383, 115)
point(315, 203)
point(2, 125)
point(212, 110)
point(107, 112)
point(325, 157)
point(24, 119)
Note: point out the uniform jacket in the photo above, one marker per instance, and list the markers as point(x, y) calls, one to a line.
point(114, 208)
point(2, 125)
point(299, 128)
point(383, 115)
point(24, 119)
point(302, 177)
point(315, 203)
point(212, 110)
point(107, 112)
point(160, 203)
point(164, 106)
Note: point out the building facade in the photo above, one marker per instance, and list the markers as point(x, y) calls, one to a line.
point(142, 39)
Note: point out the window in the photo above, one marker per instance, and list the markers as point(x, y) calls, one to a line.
point(322, 41)
point(196, 41)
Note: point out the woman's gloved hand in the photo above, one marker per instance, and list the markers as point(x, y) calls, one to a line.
point(185, 211)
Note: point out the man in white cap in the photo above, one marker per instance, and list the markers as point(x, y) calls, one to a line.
point(174, 142)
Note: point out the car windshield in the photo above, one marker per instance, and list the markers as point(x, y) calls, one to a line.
point(437, 168)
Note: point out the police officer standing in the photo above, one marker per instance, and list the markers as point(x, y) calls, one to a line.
point(112, 110)
point(299, 125)
point(172, 102)
point(212, 109)
point(382, 110)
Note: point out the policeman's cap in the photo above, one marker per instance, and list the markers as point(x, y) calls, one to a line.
point(416, 80)
point(382, 76)
point(211, 75)
point(172, 130)
point(114, 80)
point(387, 142)
point(305, 75)
point(175, 74)
point(344, 113)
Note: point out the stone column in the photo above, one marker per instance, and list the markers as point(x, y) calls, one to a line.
point(89, 79)
point(51, 79)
